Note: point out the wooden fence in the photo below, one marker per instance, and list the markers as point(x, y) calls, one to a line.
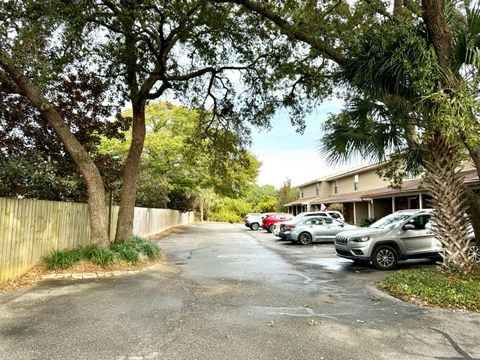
point(31, 229)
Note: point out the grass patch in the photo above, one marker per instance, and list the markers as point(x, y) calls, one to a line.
point(63, 259)
point(435, 288)
point(130, 250)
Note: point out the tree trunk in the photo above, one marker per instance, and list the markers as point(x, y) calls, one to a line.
point(201, 210)
point(130, 174)
point(88, 169)
point(445, 185)
point(438, 30)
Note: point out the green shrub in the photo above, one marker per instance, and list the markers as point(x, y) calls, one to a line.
point(63, 259)
point(147, 247)
point(126, 250)
point(225, 215)
point(367, 222)
point(98, 255)
point(131, 249)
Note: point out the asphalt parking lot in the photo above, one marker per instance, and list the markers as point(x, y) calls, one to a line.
point(231, 293)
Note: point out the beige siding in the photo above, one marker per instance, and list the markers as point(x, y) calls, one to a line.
point(345, 185)
point(367, 180)
point(324, 188)
point(30, 229)
point(309, 190)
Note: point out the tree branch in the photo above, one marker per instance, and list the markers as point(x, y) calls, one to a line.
point(7, 85)
point(291, 30)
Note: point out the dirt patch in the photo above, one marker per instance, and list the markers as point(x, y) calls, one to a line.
point(37, 273)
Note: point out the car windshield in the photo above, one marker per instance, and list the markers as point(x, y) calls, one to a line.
point(390, 221)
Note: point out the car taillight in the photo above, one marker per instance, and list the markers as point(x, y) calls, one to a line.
point(291, 226)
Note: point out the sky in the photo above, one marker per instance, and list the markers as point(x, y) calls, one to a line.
point(284, 153)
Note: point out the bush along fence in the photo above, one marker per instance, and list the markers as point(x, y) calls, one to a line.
point(31, 229)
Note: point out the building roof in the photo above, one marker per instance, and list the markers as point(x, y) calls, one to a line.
point(310, 182)
point(302, 201)
point(353, 171)
point(408, 187)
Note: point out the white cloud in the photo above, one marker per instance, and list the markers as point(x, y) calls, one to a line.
point(300, 166)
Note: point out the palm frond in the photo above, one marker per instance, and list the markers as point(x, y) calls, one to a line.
point(366, 128)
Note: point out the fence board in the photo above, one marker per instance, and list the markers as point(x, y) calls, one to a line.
point(31, 229)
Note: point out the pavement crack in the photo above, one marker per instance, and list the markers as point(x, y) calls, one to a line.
point(454, 344)
point(190, 253)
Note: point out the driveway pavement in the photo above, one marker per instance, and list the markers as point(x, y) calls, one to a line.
point(231, 293)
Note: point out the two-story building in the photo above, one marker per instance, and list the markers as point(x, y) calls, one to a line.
point(364, 194)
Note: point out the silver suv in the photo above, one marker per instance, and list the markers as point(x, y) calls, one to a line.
point(402, 235)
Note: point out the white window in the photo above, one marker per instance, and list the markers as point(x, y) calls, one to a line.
point(355, 183)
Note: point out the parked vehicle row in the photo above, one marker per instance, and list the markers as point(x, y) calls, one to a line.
point(272, 221)
point(403, 235)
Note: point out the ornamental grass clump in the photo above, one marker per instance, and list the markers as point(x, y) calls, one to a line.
point(63, 259)
point(131, 250)
point(135, 249)
point(98, 255)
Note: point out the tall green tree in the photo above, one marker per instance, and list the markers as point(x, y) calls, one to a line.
point(176, 160)
point(144, 48)
point(287, 193)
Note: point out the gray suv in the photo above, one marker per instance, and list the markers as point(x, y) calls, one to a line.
point(402, 235)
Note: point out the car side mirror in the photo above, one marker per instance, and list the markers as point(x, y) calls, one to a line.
point(408, 227)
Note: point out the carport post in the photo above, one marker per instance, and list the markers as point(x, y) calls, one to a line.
point(371, 209)
point(420, 201)
point(354, 213)
point(393, 204)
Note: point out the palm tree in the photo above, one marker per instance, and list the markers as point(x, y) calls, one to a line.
point(396, 65)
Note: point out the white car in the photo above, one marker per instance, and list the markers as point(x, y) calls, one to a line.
point(254, 221)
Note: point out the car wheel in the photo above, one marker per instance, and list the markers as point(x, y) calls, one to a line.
point(474, 252)
point(271, 228)
point(385, 257)
point(304, 238)
point(254, 226)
